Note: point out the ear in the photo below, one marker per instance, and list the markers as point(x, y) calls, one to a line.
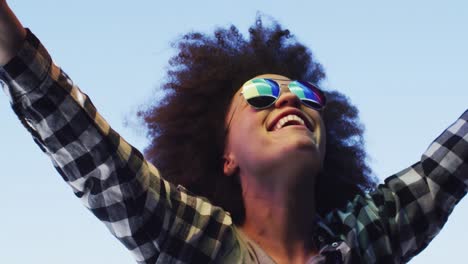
point(230, 165)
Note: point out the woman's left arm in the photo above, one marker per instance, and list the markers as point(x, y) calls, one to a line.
point(427, 192)
point(400, 218)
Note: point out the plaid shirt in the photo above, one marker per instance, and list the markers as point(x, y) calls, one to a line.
point(161, 223)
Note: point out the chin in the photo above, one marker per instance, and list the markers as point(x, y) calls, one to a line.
point(301, 142)
point(297, 150)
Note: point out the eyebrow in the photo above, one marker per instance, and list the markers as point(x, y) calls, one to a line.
point(279, 79)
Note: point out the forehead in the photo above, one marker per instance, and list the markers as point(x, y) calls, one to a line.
point(280, 79)
point(273, 76)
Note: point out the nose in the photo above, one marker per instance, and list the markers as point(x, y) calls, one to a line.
point(287, 99)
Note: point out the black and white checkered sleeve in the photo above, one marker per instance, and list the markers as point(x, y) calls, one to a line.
point(400, 218)
point(426, 193)
point(414, 204)
point(155, 220)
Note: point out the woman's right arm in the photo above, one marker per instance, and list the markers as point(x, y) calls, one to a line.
point(152, 218)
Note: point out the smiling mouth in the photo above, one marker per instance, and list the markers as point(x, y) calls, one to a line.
point(289, 120)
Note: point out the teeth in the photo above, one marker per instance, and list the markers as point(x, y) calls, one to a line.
point(286, 119)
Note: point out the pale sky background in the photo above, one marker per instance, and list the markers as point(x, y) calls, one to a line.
point(403, 63)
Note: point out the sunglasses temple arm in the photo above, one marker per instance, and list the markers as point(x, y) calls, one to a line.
point(230, 118)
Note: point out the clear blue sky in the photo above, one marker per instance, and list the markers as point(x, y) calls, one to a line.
point(403, 63)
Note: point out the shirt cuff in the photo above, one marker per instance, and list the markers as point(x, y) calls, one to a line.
point(28, 69)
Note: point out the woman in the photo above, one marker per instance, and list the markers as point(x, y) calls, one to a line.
point(275, 151)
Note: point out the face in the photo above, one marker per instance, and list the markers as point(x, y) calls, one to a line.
point(287, 134)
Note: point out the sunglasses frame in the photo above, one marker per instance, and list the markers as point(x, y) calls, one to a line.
point(275, 80)
point(314, 88)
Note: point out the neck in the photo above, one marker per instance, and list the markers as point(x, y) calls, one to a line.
point(279, 215)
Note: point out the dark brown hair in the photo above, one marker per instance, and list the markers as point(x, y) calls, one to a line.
point(187, 127)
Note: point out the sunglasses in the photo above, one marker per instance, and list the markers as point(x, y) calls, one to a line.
point(262, 93)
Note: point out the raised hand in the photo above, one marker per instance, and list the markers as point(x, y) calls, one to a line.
point(12, 33)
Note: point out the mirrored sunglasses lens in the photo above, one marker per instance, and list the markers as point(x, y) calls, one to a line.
point(312, 104)
point(260, 93)
point(309, 94)
point(261, 101)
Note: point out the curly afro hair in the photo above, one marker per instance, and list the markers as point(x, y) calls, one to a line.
point(187, 127)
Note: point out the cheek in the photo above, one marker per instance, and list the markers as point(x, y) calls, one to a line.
point(250, 133)
point(248, 138)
